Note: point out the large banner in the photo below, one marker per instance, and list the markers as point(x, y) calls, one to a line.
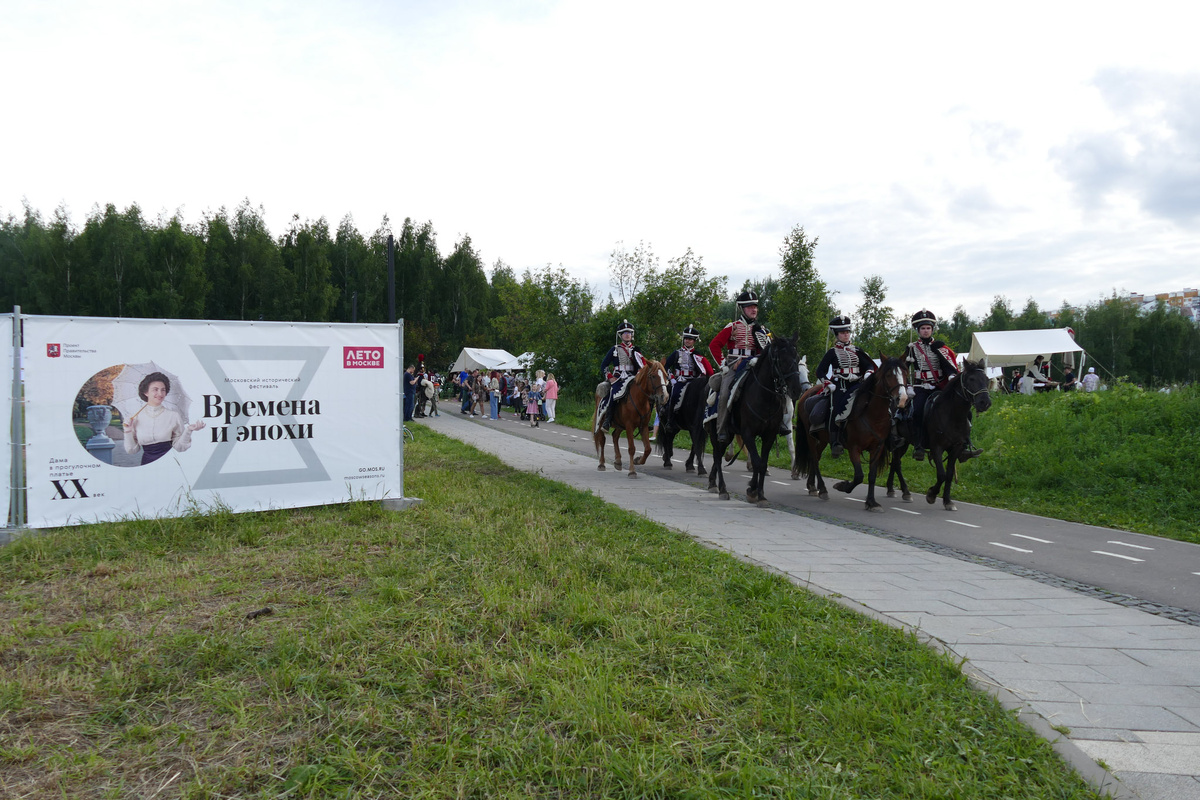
point(11, 419)
point(159, 417)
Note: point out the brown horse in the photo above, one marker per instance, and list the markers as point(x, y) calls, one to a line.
point(635, 411)
point(867, 429)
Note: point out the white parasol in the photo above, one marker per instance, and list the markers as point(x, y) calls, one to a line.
point(125, 392)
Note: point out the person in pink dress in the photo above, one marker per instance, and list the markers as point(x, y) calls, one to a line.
point(551, 397)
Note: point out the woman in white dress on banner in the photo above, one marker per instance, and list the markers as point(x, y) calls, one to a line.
point(155, 429)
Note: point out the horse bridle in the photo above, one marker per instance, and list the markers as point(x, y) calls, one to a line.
point(780, 381)
point(966, 393)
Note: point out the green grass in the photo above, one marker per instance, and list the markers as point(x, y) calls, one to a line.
point(1123, 458)
point(509, 637)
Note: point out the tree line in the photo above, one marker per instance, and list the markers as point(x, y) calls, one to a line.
point(230, 266)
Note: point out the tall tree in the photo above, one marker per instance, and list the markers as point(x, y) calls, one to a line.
point(628, 271)
point(874, 320)
point(305, 250)
point(999, 316)
point(670, 300)
point(803, 305)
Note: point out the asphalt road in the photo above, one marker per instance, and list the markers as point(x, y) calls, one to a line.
point(1160, 571)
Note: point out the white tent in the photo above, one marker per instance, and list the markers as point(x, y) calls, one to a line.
point(1017, 348)
point(481, 358)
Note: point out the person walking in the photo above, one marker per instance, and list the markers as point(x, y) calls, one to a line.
point(494, 394)
point(410, 391)
point(551, 397)
point(1091, 381)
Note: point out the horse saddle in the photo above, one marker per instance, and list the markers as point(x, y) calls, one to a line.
point(817, 408)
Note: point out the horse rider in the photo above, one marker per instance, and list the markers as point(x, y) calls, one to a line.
point(931, 364)
point(843, 366)
point(683, 365)
point(743, 339)
point(621, 362)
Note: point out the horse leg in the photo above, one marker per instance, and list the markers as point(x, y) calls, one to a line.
point(935, 455)
point(599, 438)
point(951, 469)
point(616, 440)
point(856, 460)
point(668, 448)
point(759, 476)
point(716, 477)
point(646, 446)
point(872, 473)
point(633, 450)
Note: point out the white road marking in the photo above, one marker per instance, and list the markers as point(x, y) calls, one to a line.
point(781, 483)
point(906, 511)
point(1031, 538)
point(1118, 555)
point(964, 524)
point(1010, 547)
point(1134, 546)
point(854, 499)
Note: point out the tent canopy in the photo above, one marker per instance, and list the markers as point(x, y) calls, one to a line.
point(1014, 348)
point(481, 358)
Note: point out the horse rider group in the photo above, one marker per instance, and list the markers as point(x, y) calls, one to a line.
point(740, 341)
point(930, 362)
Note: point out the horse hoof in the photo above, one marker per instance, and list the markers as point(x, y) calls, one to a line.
point(602, 468)
point(891, 493)
point(666, 466)
point(876, 508)
point(931, 498)
point(633, 475)
point(689, 470)
point(712, 489)
point(724, 495)
point(823, 495)
point(813, 492)
point(907, 498)
point(951, 507)
point(843, 486)
point(763, 503)
point(701, 473)
point(795, 476)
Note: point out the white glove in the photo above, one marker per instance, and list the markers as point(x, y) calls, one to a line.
point(910, 391)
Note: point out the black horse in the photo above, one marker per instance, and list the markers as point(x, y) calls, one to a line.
point(757, 413)
point(689, 417)
point(947, 430)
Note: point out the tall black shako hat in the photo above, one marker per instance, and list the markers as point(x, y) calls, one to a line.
point(924, 317)
point(625, 325)
point(839, 323)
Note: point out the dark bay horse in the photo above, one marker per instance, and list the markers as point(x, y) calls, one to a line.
point(947, 428)
point(635, 411)
point(690, 418)
point(756, 414)
point(867, 428)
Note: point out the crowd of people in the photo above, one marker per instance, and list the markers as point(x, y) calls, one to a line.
point(486, 393)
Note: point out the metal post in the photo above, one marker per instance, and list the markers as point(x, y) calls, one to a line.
point(17, 474)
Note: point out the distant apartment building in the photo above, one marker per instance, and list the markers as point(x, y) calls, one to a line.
point(1185, 301)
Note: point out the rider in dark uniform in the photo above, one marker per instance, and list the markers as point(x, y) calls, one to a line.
point(621, 362)
point(684, 365)
point(743, 339)
point(843, 366)
point(931, 364)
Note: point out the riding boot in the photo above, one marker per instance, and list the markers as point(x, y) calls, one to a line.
point(969, 451)
point(918, 453)
point(835, 440)
point(894, 440)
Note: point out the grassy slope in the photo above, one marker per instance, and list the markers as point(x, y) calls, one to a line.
point(509, 637)
point(1123, 458)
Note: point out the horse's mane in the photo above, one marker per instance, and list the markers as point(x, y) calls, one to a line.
point(870, 381)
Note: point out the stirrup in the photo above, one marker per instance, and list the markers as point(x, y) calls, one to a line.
point(918, 454)
point(836, 449)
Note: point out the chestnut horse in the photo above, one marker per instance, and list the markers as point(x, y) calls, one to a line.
point(635, 411)
point(867, 428)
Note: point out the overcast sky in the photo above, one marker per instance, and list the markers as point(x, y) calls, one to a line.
point(959, 150)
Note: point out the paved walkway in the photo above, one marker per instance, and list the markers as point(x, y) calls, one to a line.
point(1123, 684)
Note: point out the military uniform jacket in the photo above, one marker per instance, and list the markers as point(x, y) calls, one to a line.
point(845, 364)
point(741, 339)
point(622, 361)
point(930, 363)
point(686, 363)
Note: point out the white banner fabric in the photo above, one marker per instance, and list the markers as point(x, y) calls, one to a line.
point(6, 386)
point(155, 418)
